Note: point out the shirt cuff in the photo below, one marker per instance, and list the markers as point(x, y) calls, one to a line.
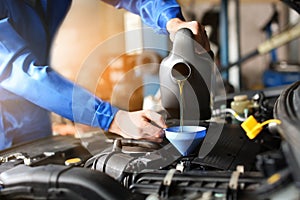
point(105, 114)
point(170, 13)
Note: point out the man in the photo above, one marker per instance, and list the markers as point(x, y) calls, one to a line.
point(29, 88)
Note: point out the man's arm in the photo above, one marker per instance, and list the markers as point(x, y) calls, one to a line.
point(44, 87)
point(155, 13)
point(164, 16)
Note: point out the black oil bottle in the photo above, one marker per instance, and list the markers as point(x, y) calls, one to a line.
point(184, 62)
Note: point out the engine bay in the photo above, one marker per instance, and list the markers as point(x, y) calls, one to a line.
point(226, 165)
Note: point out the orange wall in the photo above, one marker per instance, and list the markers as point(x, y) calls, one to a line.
point(89, 50)
point(87, 25)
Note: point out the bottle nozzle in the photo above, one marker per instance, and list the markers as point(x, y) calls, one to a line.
point(181, 71)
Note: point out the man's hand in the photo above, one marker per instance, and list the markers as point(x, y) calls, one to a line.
point(144, 124)
point(198, 30)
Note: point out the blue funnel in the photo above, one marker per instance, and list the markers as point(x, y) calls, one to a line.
point(187, 140)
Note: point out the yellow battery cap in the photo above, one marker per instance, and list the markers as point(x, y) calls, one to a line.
point(72, 161)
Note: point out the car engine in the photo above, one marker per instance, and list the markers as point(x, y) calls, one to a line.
point(226, 165)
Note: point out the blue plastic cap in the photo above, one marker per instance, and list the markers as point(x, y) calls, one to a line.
point(187, 140)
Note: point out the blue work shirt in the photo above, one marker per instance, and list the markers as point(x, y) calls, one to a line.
point(29, 88)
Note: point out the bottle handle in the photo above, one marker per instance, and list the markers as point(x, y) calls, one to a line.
point(183, 44)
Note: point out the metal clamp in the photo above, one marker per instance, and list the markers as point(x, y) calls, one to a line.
point(234, 180)
point(19, 156)
point(168, 178)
